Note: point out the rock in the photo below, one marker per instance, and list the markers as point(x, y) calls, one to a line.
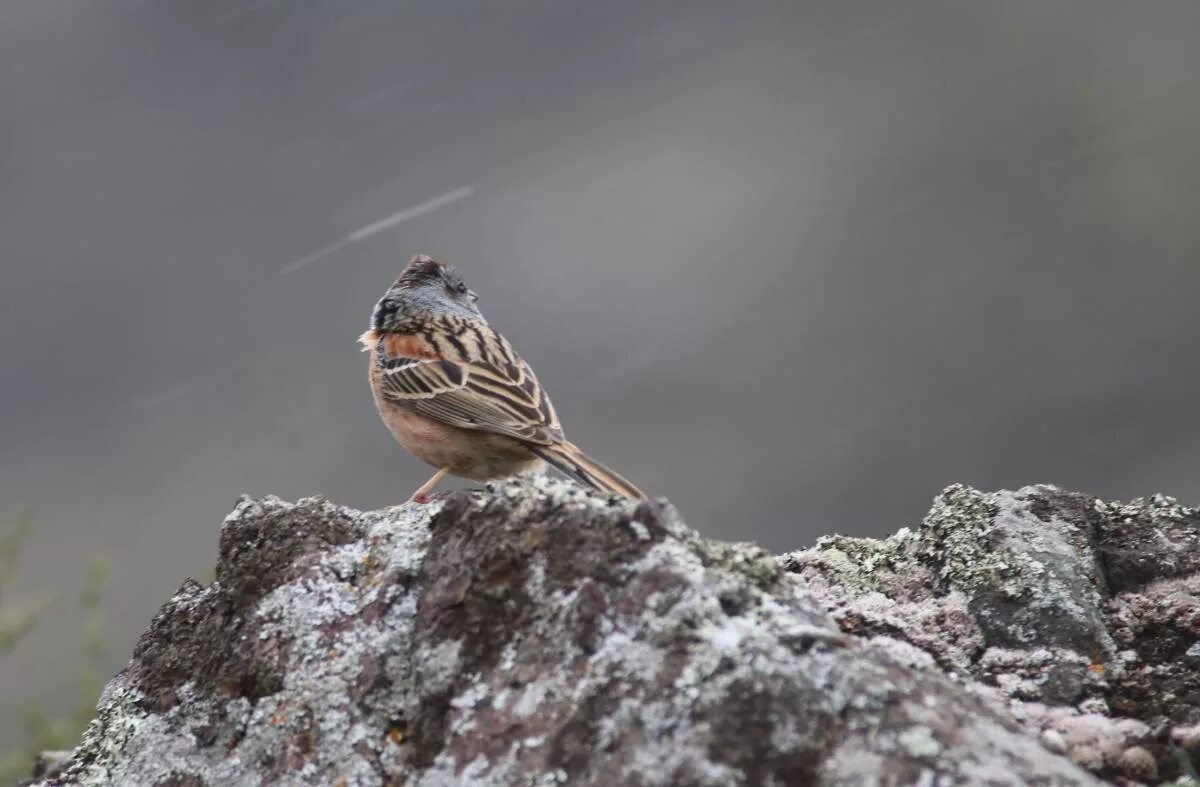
point(49, 764)
point(536, 634)
point(1080, 616)
point(1137, 763)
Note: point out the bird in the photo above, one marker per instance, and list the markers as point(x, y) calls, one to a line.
point(455, 394)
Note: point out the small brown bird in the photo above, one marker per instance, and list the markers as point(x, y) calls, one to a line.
point(456, 395)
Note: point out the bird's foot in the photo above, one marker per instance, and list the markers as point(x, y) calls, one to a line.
point(424, 498)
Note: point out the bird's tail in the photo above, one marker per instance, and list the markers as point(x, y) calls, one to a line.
point(568, 458)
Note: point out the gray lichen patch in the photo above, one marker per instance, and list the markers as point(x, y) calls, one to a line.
point(1148, 539)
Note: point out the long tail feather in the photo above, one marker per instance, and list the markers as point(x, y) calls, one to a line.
point(568, 458)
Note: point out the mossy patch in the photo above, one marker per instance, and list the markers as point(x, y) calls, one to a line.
point(863, 564)
point(954, 539)
point(747, 560)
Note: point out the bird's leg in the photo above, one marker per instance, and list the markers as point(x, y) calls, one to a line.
point(422, 494)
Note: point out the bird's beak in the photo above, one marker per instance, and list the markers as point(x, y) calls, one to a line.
point(472, 295)
point(368, 340)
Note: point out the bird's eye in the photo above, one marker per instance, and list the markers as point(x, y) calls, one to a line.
point(461, 288)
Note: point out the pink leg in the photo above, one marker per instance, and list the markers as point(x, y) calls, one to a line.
point(422, 494)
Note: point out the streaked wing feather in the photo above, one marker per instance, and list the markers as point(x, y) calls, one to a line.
point(474, 395)
point(411, 378)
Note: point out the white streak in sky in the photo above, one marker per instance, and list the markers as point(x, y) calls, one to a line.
point(374, 228)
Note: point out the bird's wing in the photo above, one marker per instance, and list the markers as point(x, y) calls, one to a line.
point(472, 384)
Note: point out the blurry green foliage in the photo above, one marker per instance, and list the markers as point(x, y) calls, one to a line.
point(17, 618)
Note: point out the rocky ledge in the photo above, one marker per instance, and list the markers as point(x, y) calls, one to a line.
point(533, 634)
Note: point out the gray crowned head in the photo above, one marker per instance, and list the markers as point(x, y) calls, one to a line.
point(424, 286)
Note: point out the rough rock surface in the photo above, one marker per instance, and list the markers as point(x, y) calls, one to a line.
point(1081, 618)
point(536, 634)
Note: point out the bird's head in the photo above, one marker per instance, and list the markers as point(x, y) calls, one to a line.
point(425, 287)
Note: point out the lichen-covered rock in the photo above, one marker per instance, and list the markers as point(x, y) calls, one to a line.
point(1082, 617)
point(536, 634)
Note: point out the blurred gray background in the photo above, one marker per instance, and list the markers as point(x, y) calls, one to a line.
point(796, 266)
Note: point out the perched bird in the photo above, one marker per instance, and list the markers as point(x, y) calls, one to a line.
point(456, 395)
